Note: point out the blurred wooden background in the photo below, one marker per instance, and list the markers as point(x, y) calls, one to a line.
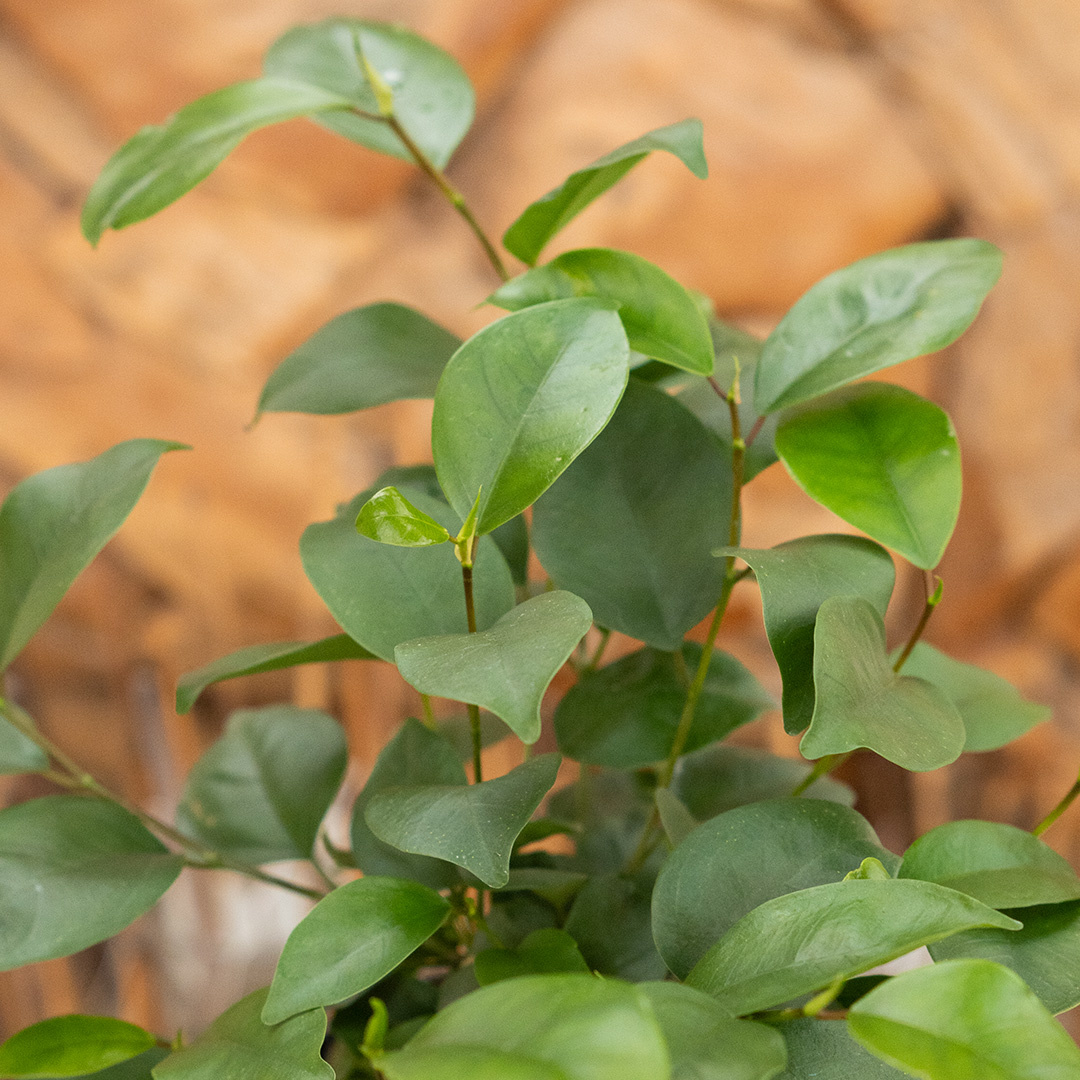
point(833, 128)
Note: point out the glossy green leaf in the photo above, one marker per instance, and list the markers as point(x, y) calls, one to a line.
point(414, 757)
point(521, 399)
point(350, 940)
point(823, 1050)
point(706, 1044)
point(795, 579)
point(1001, 865)
point(261, 791)
point(992, 709)
point(877, 312)
point(473, 827)
point(433, 99)
point(391, 519)
point(239, 1046)
point(72, 1046)
point(73, 872)
point(18, 754)
point(883, 459)
point(54, 522)
point(366, 357)
point(661, 319)
point(383, 595)
point(626, 714)
point(862, 702)
point(505, 669)
point(631, 526)
point(803, 941)
point(964, 1019)
point(582, 1027)
point(718, 874)
point(256, 659)
point(541, 220)
point(543, 952)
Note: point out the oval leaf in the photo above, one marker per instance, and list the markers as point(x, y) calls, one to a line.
point(391, 519)
point(823, 1050)
point(72, 1046)
point(544, 952)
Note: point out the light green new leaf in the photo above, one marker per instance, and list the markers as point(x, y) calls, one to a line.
point(806, 940)
point(349, 941)
point(964, 1019)
point(823, 1050)
point(521, 399)
point(877, 312)
point(631, 526)
point(717, 874)
point(1001, 865)
point(882, 458)
point(256, 659)
point(54, 522)
point(239, 1046)
point(391, 519)
point(661, 319)
point(862, 702)
point(366, 357)
point(474, 826)
point(544, 952)
point(795, 579)
point(261, 791)
point(541, 220)
point(73, 872)
point(505, 669)
point(72, 1046)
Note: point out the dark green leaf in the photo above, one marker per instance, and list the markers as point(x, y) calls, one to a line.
point(547, 951)
point(73, 872)
point(457, 730)
point(545, 217)
point(718, 874)
point(72, 1046)
point(474, 827)
point(53, 523)
point(420, 478)
point(877, 312)
point(391, 519)
point(521, 399)
point(862, 702)
point(823, 1050)
point(138, 1068)
point(256, 659)
point(883, 459)
point(366, 357)
point(961, 1019)
point(557, 887)
point(632, 524)
point(677, 821)
point(18, 754)
point(805, 940)
point(261, 791)
point(505, 669)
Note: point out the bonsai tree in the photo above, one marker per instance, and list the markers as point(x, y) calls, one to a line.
point(719, 908)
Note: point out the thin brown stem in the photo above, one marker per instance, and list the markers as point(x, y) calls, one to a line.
point(932, 601)
point(474, 710)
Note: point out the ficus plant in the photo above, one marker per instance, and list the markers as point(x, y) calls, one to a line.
point(708, 912)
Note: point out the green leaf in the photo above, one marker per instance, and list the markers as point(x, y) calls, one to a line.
point(53, 523)
point(512, 538)
point(992, 709)
point(239, 1046)
point(1001, 865)
point(261, 791)
point(521, 399)
point(626, 714)
point(961, 1019)
point(706, 1044)
point(18, 754)
point(383, 595)
point(542, 219)
point(74, 871)
point(72, 1046)
point(458, 1062)
point(823, 1050)
point(137, 1068)
point(414, 757)
point(349, 941)
point(546, 951)
point(862, 702)
point(474, 827)
point(806, 940)
point(883, 459)
point(505, 669)
point(677, 821)
point(580, 1027)
point(661, 319)
point(717, 874)
point(391, 519)
point(877, 312)
point(557, 887)
point(795, 579)
point(256, 659)
point(631, 525)
point(366, 357)
point(433, 99)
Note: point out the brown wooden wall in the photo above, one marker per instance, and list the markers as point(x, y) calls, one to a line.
point(833, 128)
